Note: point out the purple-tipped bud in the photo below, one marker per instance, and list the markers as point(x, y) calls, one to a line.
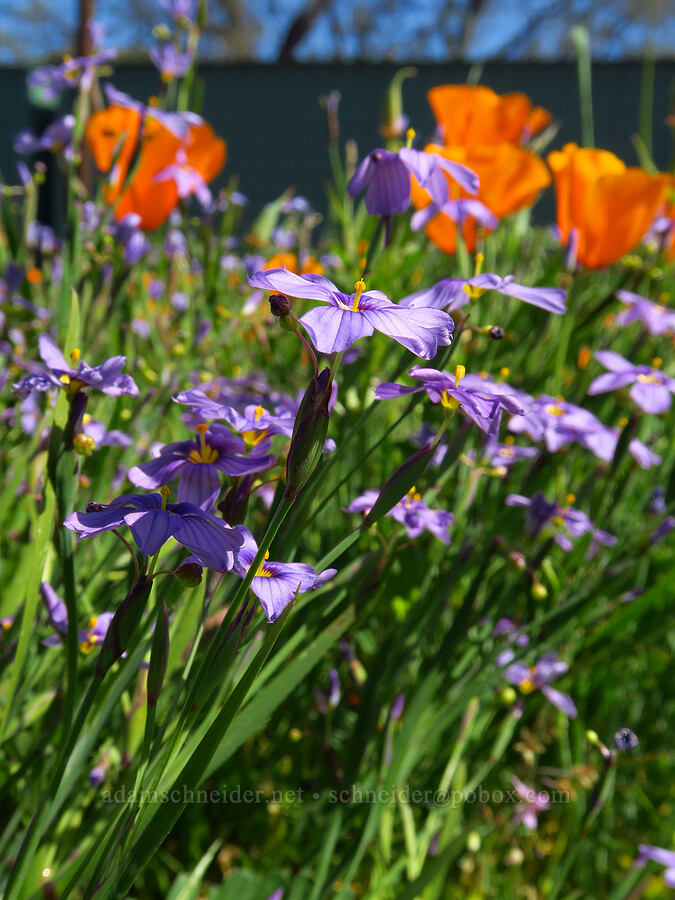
point(123, 625)
point(496, 332)
point(159, 655)
point(309, 433)
point(96, 776)
point(189, 574)
point(396, 710)
point(625, 739)
point(93, 506)
point(399, 484)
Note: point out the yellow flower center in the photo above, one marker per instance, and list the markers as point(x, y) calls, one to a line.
point(475, 292)
point(506, 451)
point(649, 379)
point(262, 571)
point(552, 409)
point(205, 453)
point(409, 137)
point(259, 411)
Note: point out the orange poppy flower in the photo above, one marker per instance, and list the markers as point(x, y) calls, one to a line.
point(510, 179)
point(609, 206)
point(470, 115)
point(310, 265)
point(150, 198)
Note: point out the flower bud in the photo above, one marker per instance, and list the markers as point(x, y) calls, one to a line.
point(93, 506)
point(309, 433)
point(393, 121)
point(123, 625)
point(159, 655)
point(189, 573)
point(539, 591)
point(280, 305)
point(84, 444)
point(399, 484)
point(496, 332)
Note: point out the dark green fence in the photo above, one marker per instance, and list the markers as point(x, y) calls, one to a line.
point(275, 127)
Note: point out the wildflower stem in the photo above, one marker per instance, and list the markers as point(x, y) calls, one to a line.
point(308, 347)
point(126, 543)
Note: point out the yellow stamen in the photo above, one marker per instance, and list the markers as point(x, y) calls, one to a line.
point(479, 260)
point(165, 492)
point(448, 402)
point(261, 573)
point(259, 411)
point(569, 499)
point(623, 421)
point(92, 622)
point(409, 137)
point(504, 372)
point(509, 439)
point(6, 625)
point(649, 379)
point(460, 372)
point(552, 409)
point(359, 288)
point(657, 362)
point(86, 419)
point(526, 686)
point(86, 646)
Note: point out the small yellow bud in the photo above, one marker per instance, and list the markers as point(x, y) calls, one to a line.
point(508, 695)
point(539, 591)
point(84, 444)
point(592, 737)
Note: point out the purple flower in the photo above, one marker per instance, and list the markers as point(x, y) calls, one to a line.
point(651, 388)
point(187, 179)
point(330, 701)
point(276, 584)
point(106, 378)
point(481, 400)
point(386, 176)
point(458, 211)
point(538, 678)
point(129, 236)
point(57, 138)
point(175, 244)
point(178, 123)
point(58, 619)
point(662, 856)
point(71, 73)
point(454, 293)
point(505, 455)
point(153, 521)
point(353, 316)
point(179, 9)
point(412, 512)
point(575, 522)
point(170, 61)
point(198, 464)
point(656, 318)
point(534, 803)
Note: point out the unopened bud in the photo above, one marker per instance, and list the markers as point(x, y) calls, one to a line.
point(123, 625)
point(161, 32)
point(309, 433)
point(93, 506)
point(539, 591)
point(496, 332)
point(592, 737)
point(159, 655)
point(84, 444)
point(189, 574)
point(508, 695)
point(280, 305)
point(518, 559)
point(399, 484)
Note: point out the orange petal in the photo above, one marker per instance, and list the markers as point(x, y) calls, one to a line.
point(470, 115)
point(205, 152)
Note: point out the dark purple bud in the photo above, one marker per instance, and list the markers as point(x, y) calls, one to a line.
point(399, 484)
point(93, 506)
point(625, 739)
point(280, 305)
point(309, 433)
point(496, 332)
point(189, 574)
point(159, 655)
point(123, 625)
point(96, 776)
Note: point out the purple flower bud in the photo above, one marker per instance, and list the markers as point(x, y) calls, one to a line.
point(309, 433)
point(396, 710)
point(123, 626)
point(280, 305)
point(496, 332)
point(189, 573)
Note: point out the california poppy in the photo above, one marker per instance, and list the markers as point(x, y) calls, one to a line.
point(603, 205)
point(510, 179)
point(310, 265)
point(152, 199)
point(471, 115)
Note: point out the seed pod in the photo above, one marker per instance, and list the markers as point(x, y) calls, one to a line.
point(123, 625)
point(159, 655)
point(400, 483)
point(189, 573)
point(309, 433)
